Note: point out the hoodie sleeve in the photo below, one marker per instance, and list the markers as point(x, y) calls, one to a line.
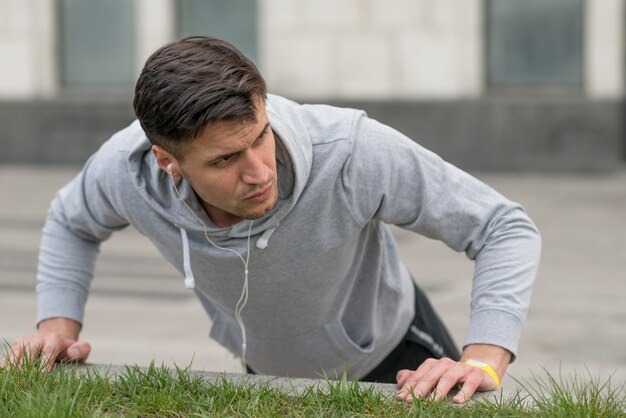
point(390, 178)
point(81, 216)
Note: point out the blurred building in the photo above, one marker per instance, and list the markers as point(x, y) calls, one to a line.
point(497, 84)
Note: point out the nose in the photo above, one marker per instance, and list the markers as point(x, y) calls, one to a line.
point(254, 171)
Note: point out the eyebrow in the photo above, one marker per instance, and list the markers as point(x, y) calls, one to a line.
point(211, 160)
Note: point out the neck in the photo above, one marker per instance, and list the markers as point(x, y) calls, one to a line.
point(220, 218)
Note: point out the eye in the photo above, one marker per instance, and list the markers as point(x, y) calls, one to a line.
point(263, 135)
point(223, 161)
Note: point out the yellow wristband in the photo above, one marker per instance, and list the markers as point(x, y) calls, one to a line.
point(486, 368)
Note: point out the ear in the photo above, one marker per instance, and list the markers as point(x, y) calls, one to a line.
point(164, 159)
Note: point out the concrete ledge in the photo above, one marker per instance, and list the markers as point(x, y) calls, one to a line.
point(505, 133)
point(59, 130)
point(512, 133)
point(289, 386)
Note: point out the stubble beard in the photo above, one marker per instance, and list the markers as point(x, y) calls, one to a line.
point(253, 214)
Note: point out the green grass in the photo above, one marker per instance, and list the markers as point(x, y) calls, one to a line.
point(165, 392)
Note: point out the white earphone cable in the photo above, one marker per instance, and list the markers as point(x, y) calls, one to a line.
point(243, 299)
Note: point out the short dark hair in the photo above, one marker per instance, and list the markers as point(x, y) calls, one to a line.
point(186, 85)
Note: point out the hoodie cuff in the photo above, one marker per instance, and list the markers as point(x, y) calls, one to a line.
point(60, 303)
point(495, 327)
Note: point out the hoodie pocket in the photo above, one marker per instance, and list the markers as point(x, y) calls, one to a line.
point(345, 344)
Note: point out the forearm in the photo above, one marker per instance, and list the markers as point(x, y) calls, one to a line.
point(504, 273)
point(66, 265)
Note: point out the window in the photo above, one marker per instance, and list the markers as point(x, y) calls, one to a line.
point(535, 42)
point(234, 21)
point(97, 42)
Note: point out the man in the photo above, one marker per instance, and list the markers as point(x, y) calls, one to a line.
point(275, 213)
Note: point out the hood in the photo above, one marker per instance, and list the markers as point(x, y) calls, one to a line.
point(294, 152)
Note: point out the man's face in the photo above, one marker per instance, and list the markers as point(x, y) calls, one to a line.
point(232, 168)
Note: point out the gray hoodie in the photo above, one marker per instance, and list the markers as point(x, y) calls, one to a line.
point(327, 290)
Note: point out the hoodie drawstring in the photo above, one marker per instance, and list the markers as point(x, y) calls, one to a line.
point(262, 242)
point(190, 282)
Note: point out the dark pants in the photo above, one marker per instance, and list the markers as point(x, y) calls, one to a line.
point(427, 337)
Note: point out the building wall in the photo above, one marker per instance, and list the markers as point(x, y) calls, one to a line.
point(311, 48)
point(405, 55)
point(605, 50)
point(27, 49)
point(375, 49)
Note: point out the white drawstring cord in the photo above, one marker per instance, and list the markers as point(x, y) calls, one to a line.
point(262, 242)
point(243, 299)
point(190, 282)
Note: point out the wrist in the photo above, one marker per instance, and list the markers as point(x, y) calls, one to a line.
point(63, 326)
point(496, 357)
point(485, 368)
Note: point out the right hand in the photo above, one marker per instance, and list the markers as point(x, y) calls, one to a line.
point(56, 340)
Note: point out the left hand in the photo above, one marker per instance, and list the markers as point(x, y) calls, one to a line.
point(438, 377)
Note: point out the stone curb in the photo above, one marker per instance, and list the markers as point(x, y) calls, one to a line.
point(290, 386)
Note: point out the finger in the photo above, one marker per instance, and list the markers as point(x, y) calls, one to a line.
point(421, 383)
point(77, 351)
point(14, 355)
point(25, 350)
point(450, 378)
point(401, 377)
point(408, 378)
point(406, 374)
point(49, 355)
point(469, 387)
point(8, 357)
point(422, 386)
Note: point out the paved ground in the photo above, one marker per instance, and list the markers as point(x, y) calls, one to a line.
point(139, 309)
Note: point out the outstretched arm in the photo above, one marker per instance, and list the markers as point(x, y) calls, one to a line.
point(392, 179)
point(81, 216)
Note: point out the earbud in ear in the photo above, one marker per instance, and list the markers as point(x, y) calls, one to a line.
point(169, 168)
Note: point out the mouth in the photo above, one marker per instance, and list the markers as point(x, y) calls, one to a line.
point(259, 197)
